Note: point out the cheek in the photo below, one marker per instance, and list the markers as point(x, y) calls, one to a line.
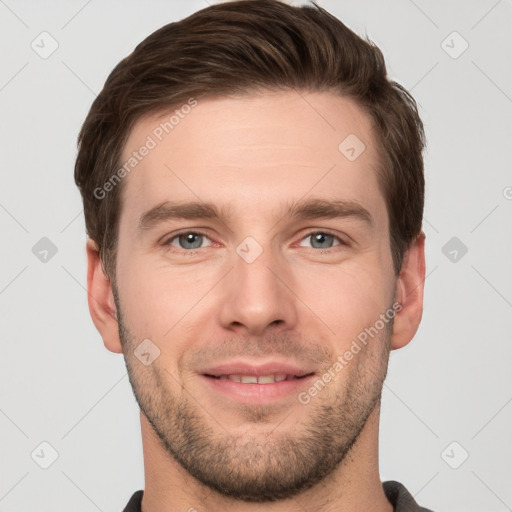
point(146, 303)
point(160, 301)
point(347, 298)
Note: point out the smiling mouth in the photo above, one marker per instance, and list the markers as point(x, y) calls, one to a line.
point(259, 379)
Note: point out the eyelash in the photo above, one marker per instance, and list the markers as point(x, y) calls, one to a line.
point(202, 233)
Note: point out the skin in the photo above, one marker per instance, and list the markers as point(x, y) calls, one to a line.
point(256, 154)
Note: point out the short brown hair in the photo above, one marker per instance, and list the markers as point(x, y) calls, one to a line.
point(236, 48)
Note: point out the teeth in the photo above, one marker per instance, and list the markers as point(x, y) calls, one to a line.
point(264, 379)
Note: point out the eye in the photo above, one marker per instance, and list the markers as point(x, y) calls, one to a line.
point(192, 241)
point(187, 240)
point(323, 240)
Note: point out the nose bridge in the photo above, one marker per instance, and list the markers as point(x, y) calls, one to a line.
point(257, 296)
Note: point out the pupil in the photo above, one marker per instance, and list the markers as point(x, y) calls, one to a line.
point(321, 237)
point(189, 239)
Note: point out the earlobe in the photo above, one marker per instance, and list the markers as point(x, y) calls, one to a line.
point(409, 293)
point(100, 298)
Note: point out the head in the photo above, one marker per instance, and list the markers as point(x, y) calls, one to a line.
point(250, 130)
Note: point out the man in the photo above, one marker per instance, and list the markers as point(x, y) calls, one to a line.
point(253, 192)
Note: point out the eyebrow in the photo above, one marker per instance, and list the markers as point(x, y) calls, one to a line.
point(299, 210)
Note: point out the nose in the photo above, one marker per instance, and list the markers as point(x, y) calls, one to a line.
point(258, 296)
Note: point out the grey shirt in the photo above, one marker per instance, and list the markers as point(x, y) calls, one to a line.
point(396, 494)
point(401, 498)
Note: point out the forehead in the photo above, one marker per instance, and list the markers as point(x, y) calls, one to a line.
point(253, 149)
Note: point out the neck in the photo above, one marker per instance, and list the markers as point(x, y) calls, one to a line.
point(354, 486)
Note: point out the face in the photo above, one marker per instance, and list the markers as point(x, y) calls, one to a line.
point(280, 264)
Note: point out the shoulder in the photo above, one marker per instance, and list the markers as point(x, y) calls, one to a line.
point(401, 498)
point(135, 502)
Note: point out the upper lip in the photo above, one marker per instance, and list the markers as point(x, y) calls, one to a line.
point(257, 370)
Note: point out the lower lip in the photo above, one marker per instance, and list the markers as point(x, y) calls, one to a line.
point(257, 393)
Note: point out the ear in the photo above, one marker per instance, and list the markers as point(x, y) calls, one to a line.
point(101, 300)
point(409, 293)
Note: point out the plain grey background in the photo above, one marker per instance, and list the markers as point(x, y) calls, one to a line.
point(447, 402)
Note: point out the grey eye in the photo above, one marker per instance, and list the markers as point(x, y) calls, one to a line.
point(189, 240)
point(321, 240)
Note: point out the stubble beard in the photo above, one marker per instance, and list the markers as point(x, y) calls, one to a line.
point(271, 464)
